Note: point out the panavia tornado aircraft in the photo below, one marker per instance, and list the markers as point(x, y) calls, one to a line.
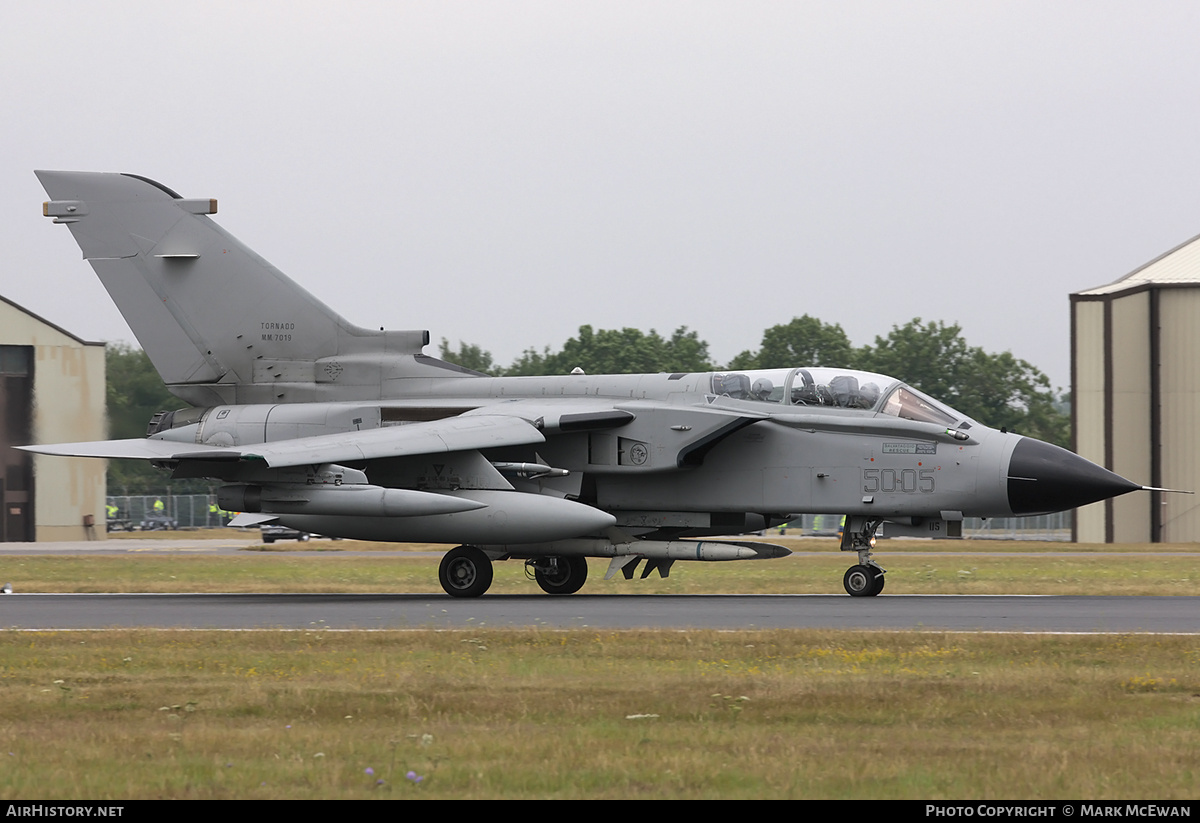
point(333, 429)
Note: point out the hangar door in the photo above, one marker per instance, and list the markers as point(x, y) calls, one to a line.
point(16, 427)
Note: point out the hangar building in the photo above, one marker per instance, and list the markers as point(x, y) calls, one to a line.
point(51, 391)
point(1135, 381)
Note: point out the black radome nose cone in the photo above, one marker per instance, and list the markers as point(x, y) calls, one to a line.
point(1044, 479)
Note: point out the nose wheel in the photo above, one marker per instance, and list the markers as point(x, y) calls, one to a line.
point(865, 579)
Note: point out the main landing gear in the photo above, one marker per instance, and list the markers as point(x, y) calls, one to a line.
point(558, 575)
point(465, 572)
point(865, 579)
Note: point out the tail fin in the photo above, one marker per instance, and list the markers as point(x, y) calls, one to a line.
point(219, 323)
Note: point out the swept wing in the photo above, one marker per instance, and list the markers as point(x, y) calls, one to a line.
point(433, 437)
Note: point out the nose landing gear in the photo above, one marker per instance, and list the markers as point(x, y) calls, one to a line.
point(865, 579)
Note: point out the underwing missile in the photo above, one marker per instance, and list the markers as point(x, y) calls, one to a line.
point(711, 550)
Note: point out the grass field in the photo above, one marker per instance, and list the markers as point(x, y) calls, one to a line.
point(535, 713)
point(914, 567)
point(588, 714)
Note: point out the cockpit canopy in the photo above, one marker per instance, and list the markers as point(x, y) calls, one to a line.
point(837, 388)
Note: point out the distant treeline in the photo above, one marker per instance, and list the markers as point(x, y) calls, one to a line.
point(998, 390)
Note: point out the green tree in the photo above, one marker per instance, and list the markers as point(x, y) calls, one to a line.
point(133, 393)
point(531, 363)
point(805, 341)
point(998, 390)
point(686, 352)
point(743, 361)
point(623, 351)
point(1006, 392)
point(932, 357)
point(469, 357)
point(609, 351)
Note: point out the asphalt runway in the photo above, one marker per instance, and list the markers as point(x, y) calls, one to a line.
point(411, 611)
point(400, 611)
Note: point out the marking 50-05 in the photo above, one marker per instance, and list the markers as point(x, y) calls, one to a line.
point(904, 481)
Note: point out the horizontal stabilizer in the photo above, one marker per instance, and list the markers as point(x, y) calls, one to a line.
point(248, 520)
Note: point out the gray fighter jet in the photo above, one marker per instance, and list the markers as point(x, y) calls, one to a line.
point(333, 429)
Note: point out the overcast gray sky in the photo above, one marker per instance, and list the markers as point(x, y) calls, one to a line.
point(503, 172)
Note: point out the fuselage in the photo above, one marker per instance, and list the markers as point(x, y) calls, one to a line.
point(696, 453)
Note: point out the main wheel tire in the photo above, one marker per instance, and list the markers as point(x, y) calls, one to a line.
point(568, 578)
point(863, 581)
point(465, 572)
